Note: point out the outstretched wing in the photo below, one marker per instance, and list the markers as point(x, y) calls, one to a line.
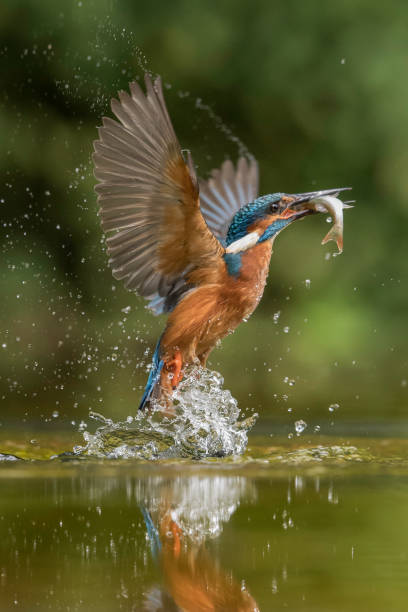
point(226, 191)
point(148, 197)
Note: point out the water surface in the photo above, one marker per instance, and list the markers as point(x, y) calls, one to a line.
point(311, 524)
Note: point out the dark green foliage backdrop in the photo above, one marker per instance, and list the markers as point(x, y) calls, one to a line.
point(317, 92)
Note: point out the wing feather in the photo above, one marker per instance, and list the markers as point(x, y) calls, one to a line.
point(148, 197)
point(226, 191)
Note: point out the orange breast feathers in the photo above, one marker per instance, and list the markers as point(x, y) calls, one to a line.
point(213, 310)
point(255, 264)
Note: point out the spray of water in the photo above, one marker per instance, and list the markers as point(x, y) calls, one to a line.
point(205, 424)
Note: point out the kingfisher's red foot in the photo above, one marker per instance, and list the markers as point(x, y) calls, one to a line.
point(173, 368)
point(177, 365)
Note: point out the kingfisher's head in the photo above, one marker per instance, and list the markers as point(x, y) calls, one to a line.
point(264, 218)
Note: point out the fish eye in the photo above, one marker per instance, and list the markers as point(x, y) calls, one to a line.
point(274, 207)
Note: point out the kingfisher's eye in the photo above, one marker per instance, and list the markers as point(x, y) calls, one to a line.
point(274, 207)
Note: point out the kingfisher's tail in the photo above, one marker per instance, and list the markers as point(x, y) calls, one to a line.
point(154, 376)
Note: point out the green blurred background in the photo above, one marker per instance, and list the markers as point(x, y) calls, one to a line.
point(318, 93)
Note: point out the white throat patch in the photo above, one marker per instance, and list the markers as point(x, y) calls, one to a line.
point(244, 243)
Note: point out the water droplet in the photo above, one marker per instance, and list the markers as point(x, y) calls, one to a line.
point(307, 283)
point(82, 426)
point(300, 426)
point(334, 407)
point(55, 414)
point(286, 329)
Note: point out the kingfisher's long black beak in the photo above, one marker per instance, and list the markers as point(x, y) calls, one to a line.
point(296, 204)
point(311, 195)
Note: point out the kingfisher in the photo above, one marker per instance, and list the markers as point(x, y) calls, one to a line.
point(197, 250)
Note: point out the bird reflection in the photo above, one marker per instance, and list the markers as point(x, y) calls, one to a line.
point(180, 518)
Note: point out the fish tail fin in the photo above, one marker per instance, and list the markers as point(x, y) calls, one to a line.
point(154, 376)
point(333, 234)
point(329, 236)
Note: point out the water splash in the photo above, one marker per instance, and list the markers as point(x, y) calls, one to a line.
point(7, 457)
point(205, 424)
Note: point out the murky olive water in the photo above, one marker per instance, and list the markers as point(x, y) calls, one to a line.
point(313, 524)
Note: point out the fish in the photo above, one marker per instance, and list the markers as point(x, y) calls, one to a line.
point(333, 206)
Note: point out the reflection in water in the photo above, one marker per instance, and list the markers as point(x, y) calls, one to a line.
point(134, 537)
point(188, 513)
point(142, 540)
